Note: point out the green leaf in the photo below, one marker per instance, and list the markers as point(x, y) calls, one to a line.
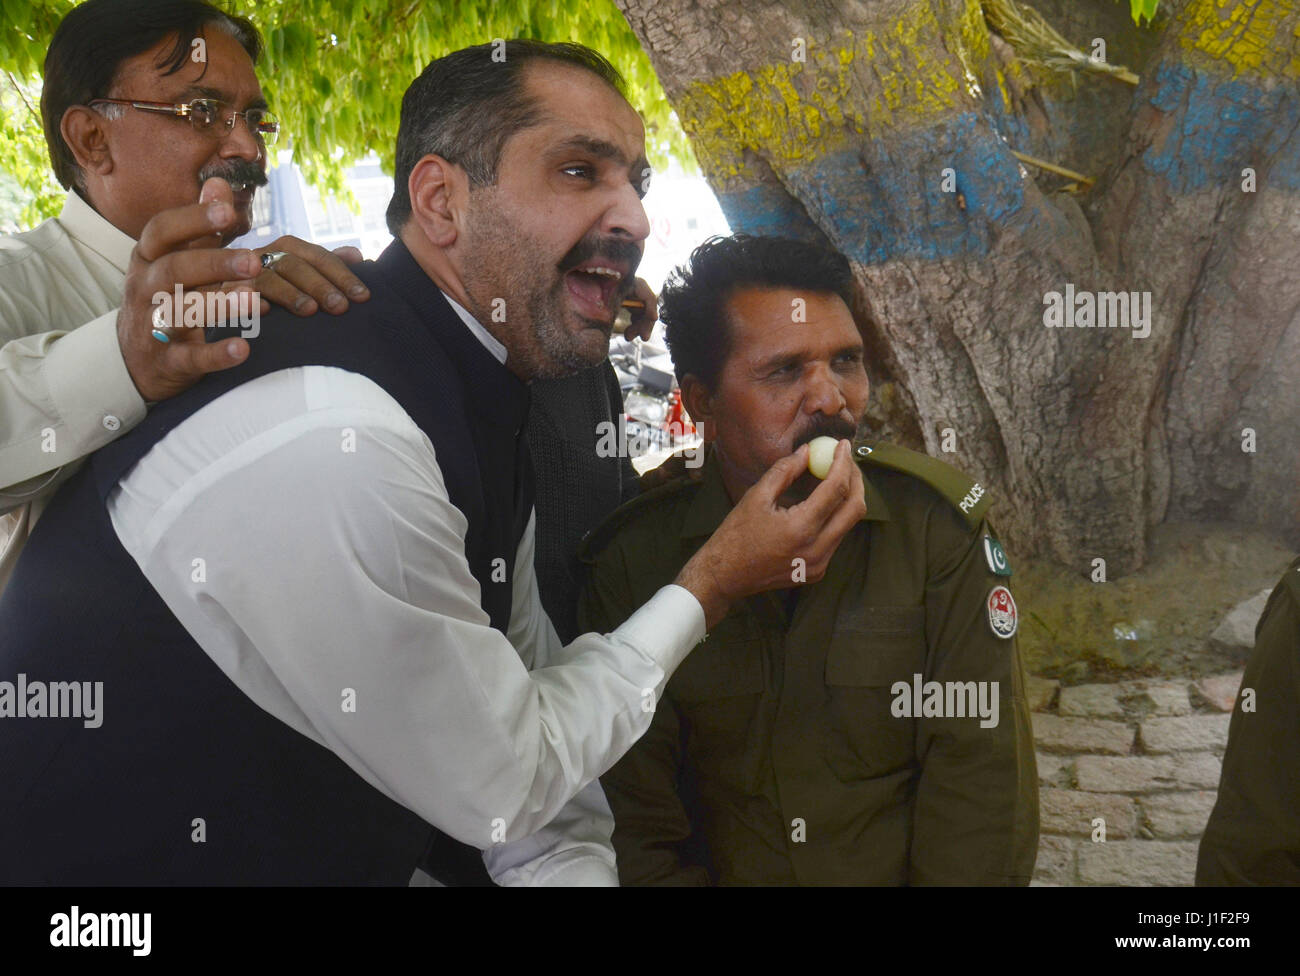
point(383, 45)
point(1142, 8)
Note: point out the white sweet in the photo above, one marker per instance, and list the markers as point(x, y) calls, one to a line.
point(821, 452)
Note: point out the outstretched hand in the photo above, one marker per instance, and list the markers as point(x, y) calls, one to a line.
point(756, 547)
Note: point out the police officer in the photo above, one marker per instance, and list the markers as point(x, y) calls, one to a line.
point(870, 728)
point(1253, 836)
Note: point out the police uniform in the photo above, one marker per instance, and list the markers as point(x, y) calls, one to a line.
point(802, 742)
point(1253, 836)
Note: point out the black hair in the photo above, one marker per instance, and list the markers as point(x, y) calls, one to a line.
point(694, 302)
point(466, 105)
point(93, 40)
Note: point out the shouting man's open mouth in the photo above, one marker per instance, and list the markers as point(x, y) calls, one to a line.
point(597, 289)
point(598, 274)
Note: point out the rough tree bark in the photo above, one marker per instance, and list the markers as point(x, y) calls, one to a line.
point(1086, 436)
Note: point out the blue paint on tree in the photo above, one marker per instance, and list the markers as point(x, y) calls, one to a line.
point(767, 209)
point(1223, 125)
point(886, 200)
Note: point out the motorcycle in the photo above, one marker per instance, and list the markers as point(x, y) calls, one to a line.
point(657, 424)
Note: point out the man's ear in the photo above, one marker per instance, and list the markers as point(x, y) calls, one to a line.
point(437, 189)
point(86, 133)
point(699, 404)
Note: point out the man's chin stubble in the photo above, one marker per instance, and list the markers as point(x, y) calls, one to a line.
point(569, 352)
point(572, 362)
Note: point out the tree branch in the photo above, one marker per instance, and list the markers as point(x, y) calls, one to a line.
point(15, 86)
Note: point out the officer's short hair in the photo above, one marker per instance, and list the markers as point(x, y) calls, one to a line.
point(694, 302)
point(93, 40)
point(465, 106)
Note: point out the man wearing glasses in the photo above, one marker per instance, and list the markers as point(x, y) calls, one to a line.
point(359, 655)
point(148, 106)
point(210, 115)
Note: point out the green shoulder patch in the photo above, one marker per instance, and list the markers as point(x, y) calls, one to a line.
point(967, 496)
point(594, 542)
point(996, 557)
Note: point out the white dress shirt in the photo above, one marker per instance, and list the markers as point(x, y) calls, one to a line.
point(309, 573)
point(63, 383)
point(489, 341)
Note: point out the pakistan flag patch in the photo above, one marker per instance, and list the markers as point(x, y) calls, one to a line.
point(996, 557)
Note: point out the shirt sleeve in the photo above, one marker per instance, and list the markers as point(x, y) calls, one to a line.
point(63, 395)
point(574, 849)
point(300, 529)
point(976, 814)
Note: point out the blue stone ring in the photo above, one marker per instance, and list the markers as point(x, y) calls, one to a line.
point(159, 323)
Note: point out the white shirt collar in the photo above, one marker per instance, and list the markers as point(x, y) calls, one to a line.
point(85, 225)
point(489, 341)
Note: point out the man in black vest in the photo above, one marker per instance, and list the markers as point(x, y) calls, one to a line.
point(299, 598)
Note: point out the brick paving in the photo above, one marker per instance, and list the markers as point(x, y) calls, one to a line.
point(1141, 756)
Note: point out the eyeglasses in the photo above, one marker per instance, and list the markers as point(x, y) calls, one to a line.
point(204, 114)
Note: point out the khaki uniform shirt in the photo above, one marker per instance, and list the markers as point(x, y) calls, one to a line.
point(64, 388)
point(1253, 836)
point(787, 747)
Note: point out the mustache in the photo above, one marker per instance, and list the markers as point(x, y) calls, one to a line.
point(823, 426)
point(235, 171)
point(615, 250)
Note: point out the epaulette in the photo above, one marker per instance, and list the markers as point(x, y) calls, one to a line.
point(594, 542)
point(969, 497)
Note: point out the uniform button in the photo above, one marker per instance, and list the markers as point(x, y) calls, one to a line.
point(863, 450)
point(111, 422)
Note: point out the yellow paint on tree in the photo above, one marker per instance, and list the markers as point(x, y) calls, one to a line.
point(785, 109)
point(766, 109)
point(1002, 89)
point(1254, 37)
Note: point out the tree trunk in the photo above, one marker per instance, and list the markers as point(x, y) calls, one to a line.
point(892, 140)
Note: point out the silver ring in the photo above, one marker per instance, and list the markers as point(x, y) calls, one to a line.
point(271, 258)
point(159, 320)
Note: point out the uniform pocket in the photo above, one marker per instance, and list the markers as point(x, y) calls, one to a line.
point(873, 647)
point(870, 649)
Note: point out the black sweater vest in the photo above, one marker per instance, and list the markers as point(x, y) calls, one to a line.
point(187, 781)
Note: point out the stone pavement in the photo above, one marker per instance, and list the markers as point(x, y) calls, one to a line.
point(1144, 756)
